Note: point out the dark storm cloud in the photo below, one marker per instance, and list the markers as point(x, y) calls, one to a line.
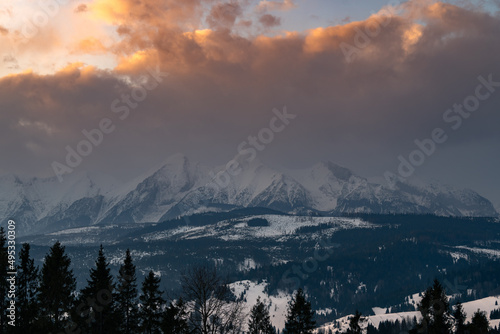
point(269, 20)
point(224, 15)
point(82, 8)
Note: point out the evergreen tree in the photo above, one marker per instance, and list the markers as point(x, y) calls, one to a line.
point(370, 329)
point(300, 317)
point(27, 291)
point(479, 324)
point(99, 296)
point(495, 314)
point(354, 323)
point(151, 304)
point(57, 288)
point(260, 322)
point(434, 308)
point(126, 296)
point(175, 319)
point(4, 264)
point(460, 318)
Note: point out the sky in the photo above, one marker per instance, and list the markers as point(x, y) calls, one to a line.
point(370, 85)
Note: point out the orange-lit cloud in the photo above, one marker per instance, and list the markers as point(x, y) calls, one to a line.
point(137, 62)
point(90, 45)
point(169, 30)
point(111, 11)
point(411, 37)
point(439, 10)
point(157, 12)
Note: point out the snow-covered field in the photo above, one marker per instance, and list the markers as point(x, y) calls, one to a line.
point(280, 226)
point(485, 304)
point(249, 291)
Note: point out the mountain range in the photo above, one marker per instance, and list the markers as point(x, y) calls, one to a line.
point(181, 187)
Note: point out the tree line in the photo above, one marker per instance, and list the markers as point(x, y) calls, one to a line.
point(47, 301)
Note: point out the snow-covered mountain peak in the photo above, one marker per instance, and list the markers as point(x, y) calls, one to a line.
point(179, 186)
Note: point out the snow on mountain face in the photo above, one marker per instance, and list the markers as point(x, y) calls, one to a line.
point(327, 182)
point(254, 186)
point(180, 187)
point(31, 201)
point(156, 193)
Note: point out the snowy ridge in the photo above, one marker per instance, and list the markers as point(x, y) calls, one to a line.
point(280, 227)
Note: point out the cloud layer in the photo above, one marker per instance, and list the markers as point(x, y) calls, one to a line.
point(362, 91)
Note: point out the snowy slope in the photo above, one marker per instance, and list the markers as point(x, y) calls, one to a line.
point(485, 304)
point(250, 291)
point(155, 194)
point(280, 226)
